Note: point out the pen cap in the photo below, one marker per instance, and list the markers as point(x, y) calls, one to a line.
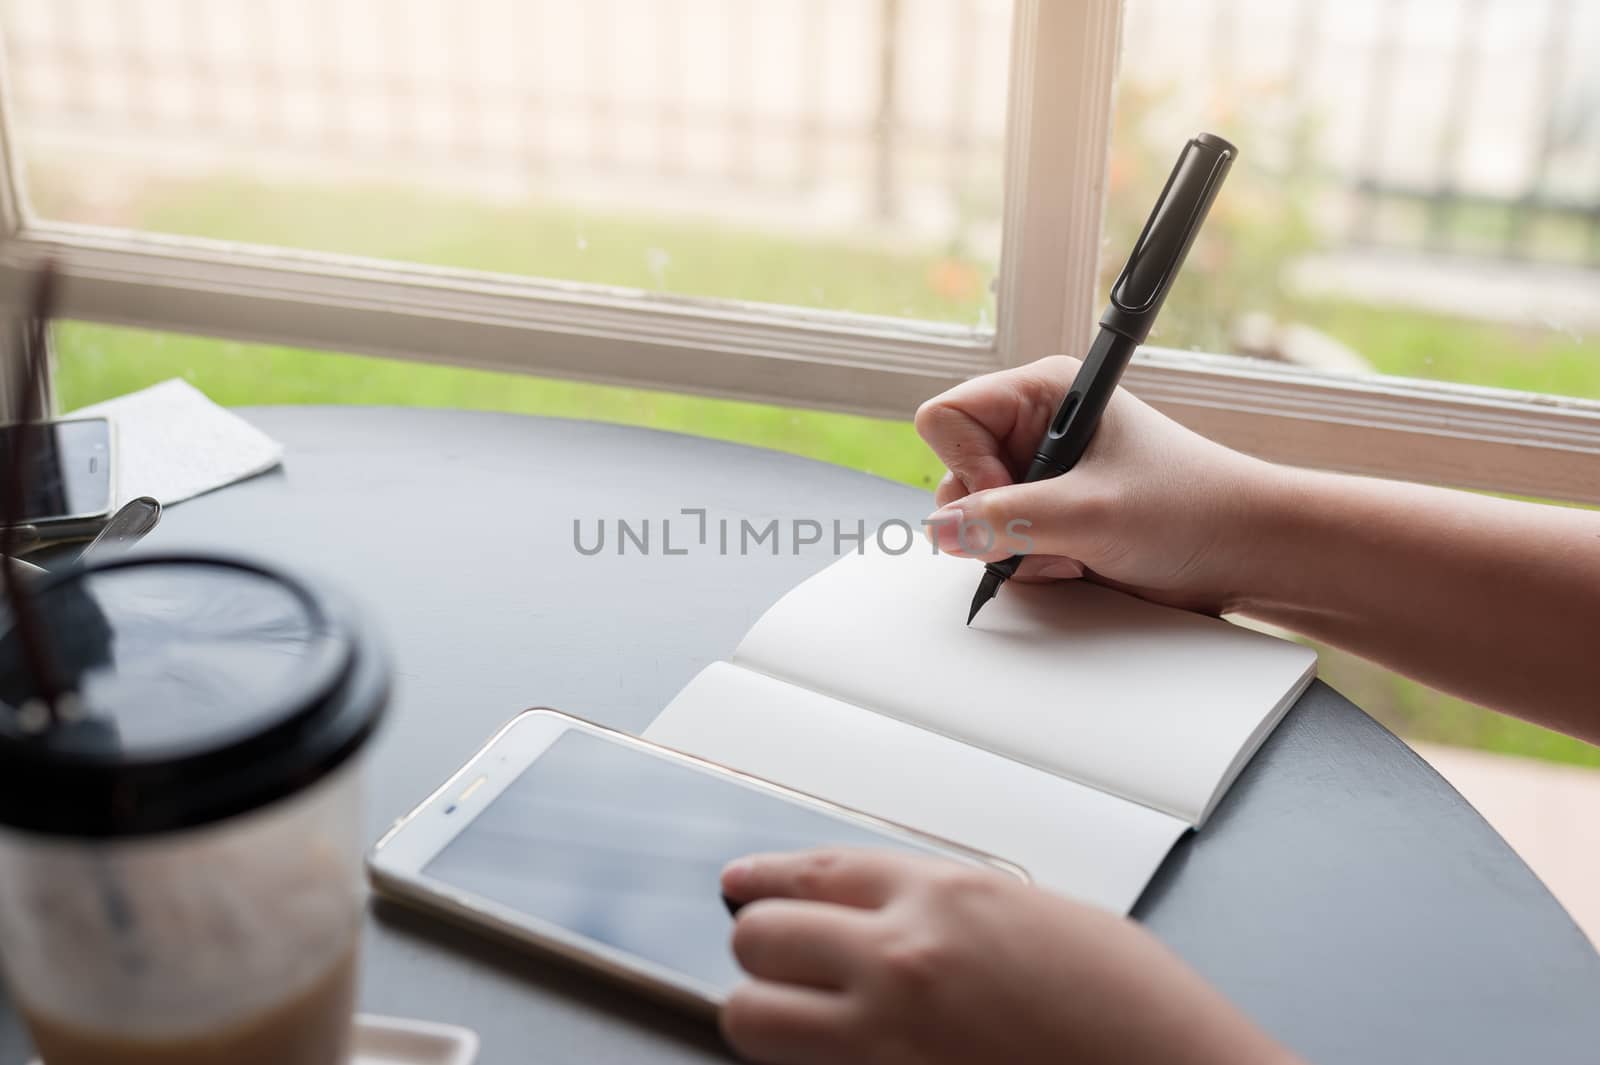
point(1142, 287)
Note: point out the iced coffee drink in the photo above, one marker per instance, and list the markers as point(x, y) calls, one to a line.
point(180, 877)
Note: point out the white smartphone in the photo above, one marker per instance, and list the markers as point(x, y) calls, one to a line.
point(606, 850)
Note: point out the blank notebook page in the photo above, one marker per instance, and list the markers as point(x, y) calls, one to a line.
point(1067, 837)
point(1157, 705)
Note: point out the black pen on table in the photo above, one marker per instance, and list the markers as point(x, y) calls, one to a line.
point(1136, 299)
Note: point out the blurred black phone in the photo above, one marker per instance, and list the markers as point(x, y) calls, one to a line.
point(68, 482)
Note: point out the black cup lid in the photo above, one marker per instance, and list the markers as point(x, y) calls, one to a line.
point(202, 687)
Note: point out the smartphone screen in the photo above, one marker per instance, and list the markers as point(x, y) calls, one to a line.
point(69, 473)
point(625, 848)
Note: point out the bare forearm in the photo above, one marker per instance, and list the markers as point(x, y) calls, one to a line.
point(1492, 600)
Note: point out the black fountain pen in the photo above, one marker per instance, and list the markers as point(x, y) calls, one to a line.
point(1136, 299)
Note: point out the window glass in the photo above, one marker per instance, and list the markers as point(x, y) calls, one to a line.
point(834, 154)
point(1418, 189)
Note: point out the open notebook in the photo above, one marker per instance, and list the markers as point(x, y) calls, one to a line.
point(1072, 730)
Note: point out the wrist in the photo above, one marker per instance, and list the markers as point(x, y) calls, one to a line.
point(1276, 536)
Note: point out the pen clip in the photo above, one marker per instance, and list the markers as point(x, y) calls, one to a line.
point(1176, 219)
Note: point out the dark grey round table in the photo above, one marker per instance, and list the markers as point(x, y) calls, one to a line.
point(1343, 895)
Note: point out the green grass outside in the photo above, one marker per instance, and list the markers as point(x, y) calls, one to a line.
point(672, 256)
point(96, 362)
point(1415, 344)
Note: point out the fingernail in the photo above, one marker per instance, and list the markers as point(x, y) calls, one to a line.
point(736, 871)
point(944, 527)
point(1062, 570)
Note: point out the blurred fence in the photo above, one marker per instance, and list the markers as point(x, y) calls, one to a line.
point(1562, 127)
point(880, 103)
point(1463, 126)
point(1467, 126)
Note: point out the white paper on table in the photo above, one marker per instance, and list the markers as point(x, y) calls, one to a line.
point(170, 442)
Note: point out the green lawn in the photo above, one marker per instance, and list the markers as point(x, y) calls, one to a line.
point(676, 256)
point(1414, 344)
point(96, 362)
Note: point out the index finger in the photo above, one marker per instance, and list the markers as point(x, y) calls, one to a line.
point(866, 879)
point(985, 430)
point(965, 426)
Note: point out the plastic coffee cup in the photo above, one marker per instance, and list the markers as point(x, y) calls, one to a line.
point(180, 842)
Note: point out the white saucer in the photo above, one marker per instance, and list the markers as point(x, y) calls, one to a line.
point(400, 1041)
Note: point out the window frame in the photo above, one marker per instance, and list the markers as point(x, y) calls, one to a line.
point(1060, 104)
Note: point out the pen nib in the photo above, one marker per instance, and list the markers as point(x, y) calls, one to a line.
point(986, 590)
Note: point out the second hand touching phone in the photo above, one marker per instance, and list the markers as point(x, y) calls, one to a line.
point(606, 850)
